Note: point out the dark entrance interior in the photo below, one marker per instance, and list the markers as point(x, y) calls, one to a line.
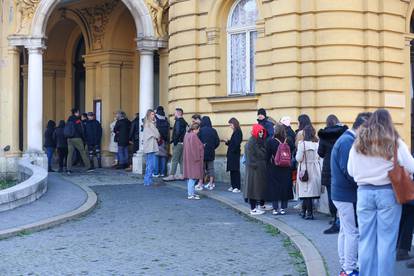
point(79, 75)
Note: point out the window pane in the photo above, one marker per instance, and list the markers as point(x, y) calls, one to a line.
point(253, 39)
point(244, 14)
point(238, 63)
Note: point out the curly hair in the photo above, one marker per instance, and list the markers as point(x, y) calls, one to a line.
point(377, 137)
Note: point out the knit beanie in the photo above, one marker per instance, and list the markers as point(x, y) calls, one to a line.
point(261, 111)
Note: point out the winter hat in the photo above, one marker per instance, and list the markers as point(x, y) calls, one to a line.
point(261, 111)
point(286, 120)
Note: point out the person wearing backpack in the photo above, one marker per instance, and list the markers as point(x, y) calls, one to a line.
point(74, 133)
point(62, 144)
point(279, 170)
point(328, 136)
point(309, 171)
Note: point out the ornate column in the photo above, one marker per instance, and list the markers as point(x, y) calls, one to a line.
point(146, 81)
point(35, 100)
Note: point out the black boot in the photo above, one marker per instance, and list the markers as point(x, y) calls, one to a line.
point(100, 163)
point(309, 215)
point(332, 230)
point(49, 169)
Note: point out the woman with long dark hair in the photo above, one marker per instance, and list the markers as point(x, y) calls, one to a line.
point(304, 121)
point(309, 171)
point(378, 212)
point(233, 155)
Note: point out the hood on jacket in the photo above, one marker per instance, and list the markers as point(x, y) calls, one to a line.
point(160, 117)
point(61, 124)
point(332, 133)
point(206, 122)
point(51, 124)
point(256, 129)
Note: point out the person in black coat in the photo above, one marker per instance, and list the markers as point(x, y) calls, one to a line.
point(50, 143)
point(122, 129)
point(209, 137)
point(134, 133)
point(233, 155)
point(93, 137)
point(61, 144)
point(328, 136)
point(279, 178)
point(263, 120)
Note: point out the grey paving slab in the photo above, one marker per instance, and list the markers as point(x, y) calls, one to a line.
point(139, 230)
point(61, 197)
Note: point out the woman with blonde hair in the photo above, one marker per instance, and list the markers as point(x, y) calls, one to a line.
point(370, 160)
point(150, 137)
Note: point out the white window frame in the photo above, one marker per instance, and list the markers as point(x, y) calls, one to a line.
point(238, 30)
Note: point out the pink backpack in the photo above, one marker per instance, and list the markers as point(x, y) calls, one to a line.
point(283, 157)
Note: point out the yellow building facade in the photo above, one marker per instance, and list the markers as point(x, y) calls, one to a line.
point(221, 58)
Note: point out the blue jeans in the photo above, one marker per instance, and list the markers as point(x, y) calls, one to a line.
point(378, 219)
point(160, 164)
point(191, 186)
point(49, 153)
point(149, 168)
point(122, 155)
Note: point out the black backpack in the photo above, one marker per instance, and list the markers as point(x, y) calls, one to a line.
point(69, 131)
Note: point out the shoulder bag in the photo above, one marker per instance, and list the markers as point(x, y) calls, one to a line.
point(304, 175)
point(401, 181)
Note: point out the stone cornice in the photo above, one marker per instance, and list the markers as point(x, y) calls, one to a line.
point(150, 43)
point(28, 42)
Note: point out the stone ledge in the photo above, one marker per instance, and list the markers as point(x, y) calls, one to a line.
point(32, 188)
point(313, 259)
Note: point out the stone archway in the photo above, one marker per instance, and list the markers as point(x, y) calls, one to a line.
point(35, 42)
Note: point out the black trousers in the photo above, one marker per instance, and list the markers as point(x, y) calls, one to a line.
point(253, 203)
point(235, 179)
point(307, 205)
point(405, 234)
point(283, 204)
point(332, 208)
point(62, 154)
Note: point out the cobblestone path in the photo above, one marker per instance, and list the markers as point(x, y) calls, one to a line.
point(149, 231)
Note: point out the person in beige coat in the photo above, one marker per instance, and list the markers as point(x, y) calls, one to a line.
point(150, 138)
point(309, 171)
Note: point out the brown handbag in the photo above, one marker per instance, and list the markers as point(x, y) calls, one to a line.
point(401, 181)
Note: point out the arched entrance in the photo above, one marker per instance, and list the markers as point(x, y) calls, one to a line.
point(110, 66)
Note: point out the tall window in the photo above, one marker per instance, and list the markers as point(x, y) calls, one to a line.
point(241, 46)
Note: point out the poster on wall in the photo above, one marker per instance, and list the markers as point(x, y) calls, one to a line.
point(97, 108)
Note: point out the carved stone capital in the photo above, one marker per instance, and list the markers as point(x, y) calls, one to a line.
point(28, 42)
point(150, 43)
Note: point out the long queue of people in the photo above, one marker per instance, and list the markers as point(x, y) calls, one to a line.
point(374, 229)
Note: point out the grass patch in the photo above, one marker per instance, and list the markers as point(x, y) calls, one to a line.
point(24, 233)
point(4, 184)
point(273, 231)
point(296, 256)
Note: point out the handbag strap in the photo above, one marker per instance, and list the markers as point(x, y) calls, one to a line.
point(304, 153)
point(395, 155)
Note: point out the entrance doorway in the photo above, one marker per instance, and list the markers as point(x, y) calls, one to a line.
point(79, 75)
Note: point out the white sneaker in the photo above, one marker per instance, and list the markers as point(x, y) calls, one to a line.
point(282, 211)
point(230, 189)
point(169, 178)
point(209, 187)
point(266, 208)
point(236, 191)
point(194, 197)
point(155, 175)
point(275, 212)
point(198, 187)
point(256, 212)
point(179, 177)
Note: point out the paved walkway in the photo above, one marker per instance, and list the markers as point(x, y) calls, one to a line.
point(139, 230)
point(313, 230)
point(61, 197)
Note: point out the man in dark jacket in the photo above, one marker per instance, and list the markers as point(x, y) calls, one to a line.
point(122, 129)
point(93, 137)
point(344, 196)
point(62, 144)
point(75, 141)
point(162, 124)
point(134, 133)
point(263, 120)
point(209, 137)
point(179, 130)
point(328, 136)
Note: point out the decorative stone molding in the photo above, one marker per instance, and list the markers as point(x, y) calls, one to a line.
point(25, 12)
point(97, 18)
point(213, 35)
point(150, 43)
point(27, 41)
point(159, 11)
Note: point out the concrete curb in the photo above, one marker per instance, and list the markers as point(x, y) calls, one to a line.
point(313, 259)
point(85, 208)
